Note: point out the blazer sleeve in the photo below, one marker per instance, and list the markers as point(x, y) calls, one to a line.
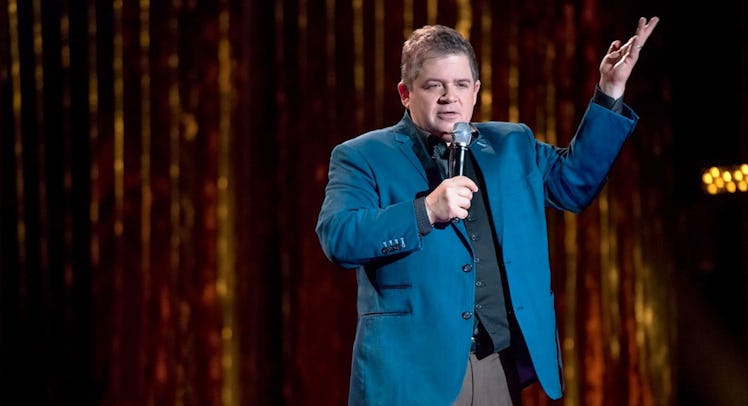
point(574, 175)
point(355, 225)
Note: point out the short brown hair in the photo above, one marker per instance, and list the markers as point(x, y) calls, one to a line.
point(433, 40)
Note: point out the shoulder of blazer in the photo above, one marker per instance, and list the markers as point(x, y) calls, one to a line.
point(382, 137)
point(501, 132)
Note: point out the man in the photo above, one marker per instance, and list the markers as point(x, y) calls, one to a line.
point(454, 298)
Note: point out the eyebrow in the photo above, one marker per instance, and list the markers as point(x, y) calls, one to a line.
point(463, 80)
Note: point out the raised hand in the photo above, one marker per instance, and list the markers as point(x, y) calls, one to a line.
point(618, 63)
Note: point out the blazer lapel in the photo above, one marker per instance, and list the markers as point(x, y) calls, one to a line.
point(416, 153)
point(490, 166)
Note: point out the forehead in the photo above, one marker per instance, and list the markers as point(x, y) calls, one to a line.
point(451, 66)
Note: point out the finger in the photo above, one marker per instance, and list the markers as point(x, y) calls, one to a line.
point(614, 46)
point(650, 26)
point(459, 209)
point(632, 46)
point(461, 214)
point(465, 193)
point(630, 43)
point(645, 29)
point(466, 204)
point(466, 182)
point(642, 24)
point(621, 52)
point(614, 53)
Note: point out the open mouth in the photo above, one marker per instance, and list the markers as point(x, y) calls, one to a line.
point(448, 114)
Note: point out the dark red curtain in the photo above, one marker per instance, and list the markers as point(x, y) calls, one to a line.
point(163, 164)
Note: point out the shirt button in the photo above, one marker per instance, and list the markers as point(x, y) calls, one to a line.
point(478, 307)
point(474, 237)
point(467, 268)
point(479, 283)
point(467, 315)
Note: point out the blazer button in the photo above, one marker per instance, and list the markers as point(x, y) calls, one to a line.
point(467, 315)
point(467, 268)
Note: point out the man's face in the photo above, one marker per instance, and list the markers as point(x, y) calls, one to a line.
point(443, 94)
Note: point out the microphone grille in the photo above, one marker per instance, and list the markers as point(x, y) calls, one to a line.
point(461, 133)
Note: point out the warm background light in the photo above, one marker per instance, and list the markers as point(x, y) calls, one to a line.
point(725, 179)
point(162, 164)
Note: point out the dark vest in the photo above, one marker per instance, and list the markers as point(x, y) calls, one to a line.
point(490, 304)
point(492, 331)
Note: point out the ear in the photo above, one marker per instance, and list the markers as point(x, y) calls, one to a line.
point(475, 92)
point(402, 88)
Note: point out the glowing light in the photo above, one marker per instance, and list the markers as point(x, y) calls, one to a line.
point(725, 179)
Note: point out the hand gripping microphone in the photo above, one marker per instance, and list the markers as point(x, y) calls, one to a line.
point(461, 133)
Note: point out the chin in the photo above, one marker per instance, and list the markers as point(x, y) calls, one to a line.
point(447, 129)
point(449, 124)
point(445, 135)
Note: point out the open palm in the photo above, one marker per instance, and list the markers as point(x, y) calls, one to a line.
point(618, 63)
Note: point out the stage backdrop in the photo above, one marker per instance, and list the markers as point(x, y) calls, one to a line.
point(163, 164)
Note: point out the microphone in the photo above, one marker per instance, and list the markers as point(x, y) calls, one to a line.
point(461, 134)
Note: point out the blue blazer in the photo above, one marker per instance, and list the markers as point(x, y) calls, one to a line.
point(416, 293)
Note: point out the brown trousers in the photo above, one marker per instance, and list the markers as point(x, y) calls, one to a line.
point(490, 381)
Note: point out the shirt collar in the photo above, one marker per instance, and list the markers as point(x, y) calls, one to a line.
point(428, 140)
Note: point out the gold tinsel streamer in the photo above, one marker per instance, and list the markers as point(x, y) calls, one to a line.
point(569, 340)
point(486, 65)
point(330, 60)
point(175, 365)
point(226, 220)
point(513, 80)
point(464, 18)
point(93, 134)
point(41, 141)
point(432, 10)
point(15, 74)
point(358, 61)
point(379, 88)
point(67, 152)
point(119, 193)
point(407, 18)
point(146, 195)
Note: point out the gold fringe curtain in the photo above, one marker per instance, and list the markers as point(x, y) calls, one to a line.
point(162, 168)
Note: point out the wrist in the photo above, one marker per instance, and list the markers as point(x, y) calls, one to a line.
point(610, 90)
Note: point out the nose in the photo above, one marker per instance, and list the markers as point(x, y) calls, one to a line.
point(449, 95)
